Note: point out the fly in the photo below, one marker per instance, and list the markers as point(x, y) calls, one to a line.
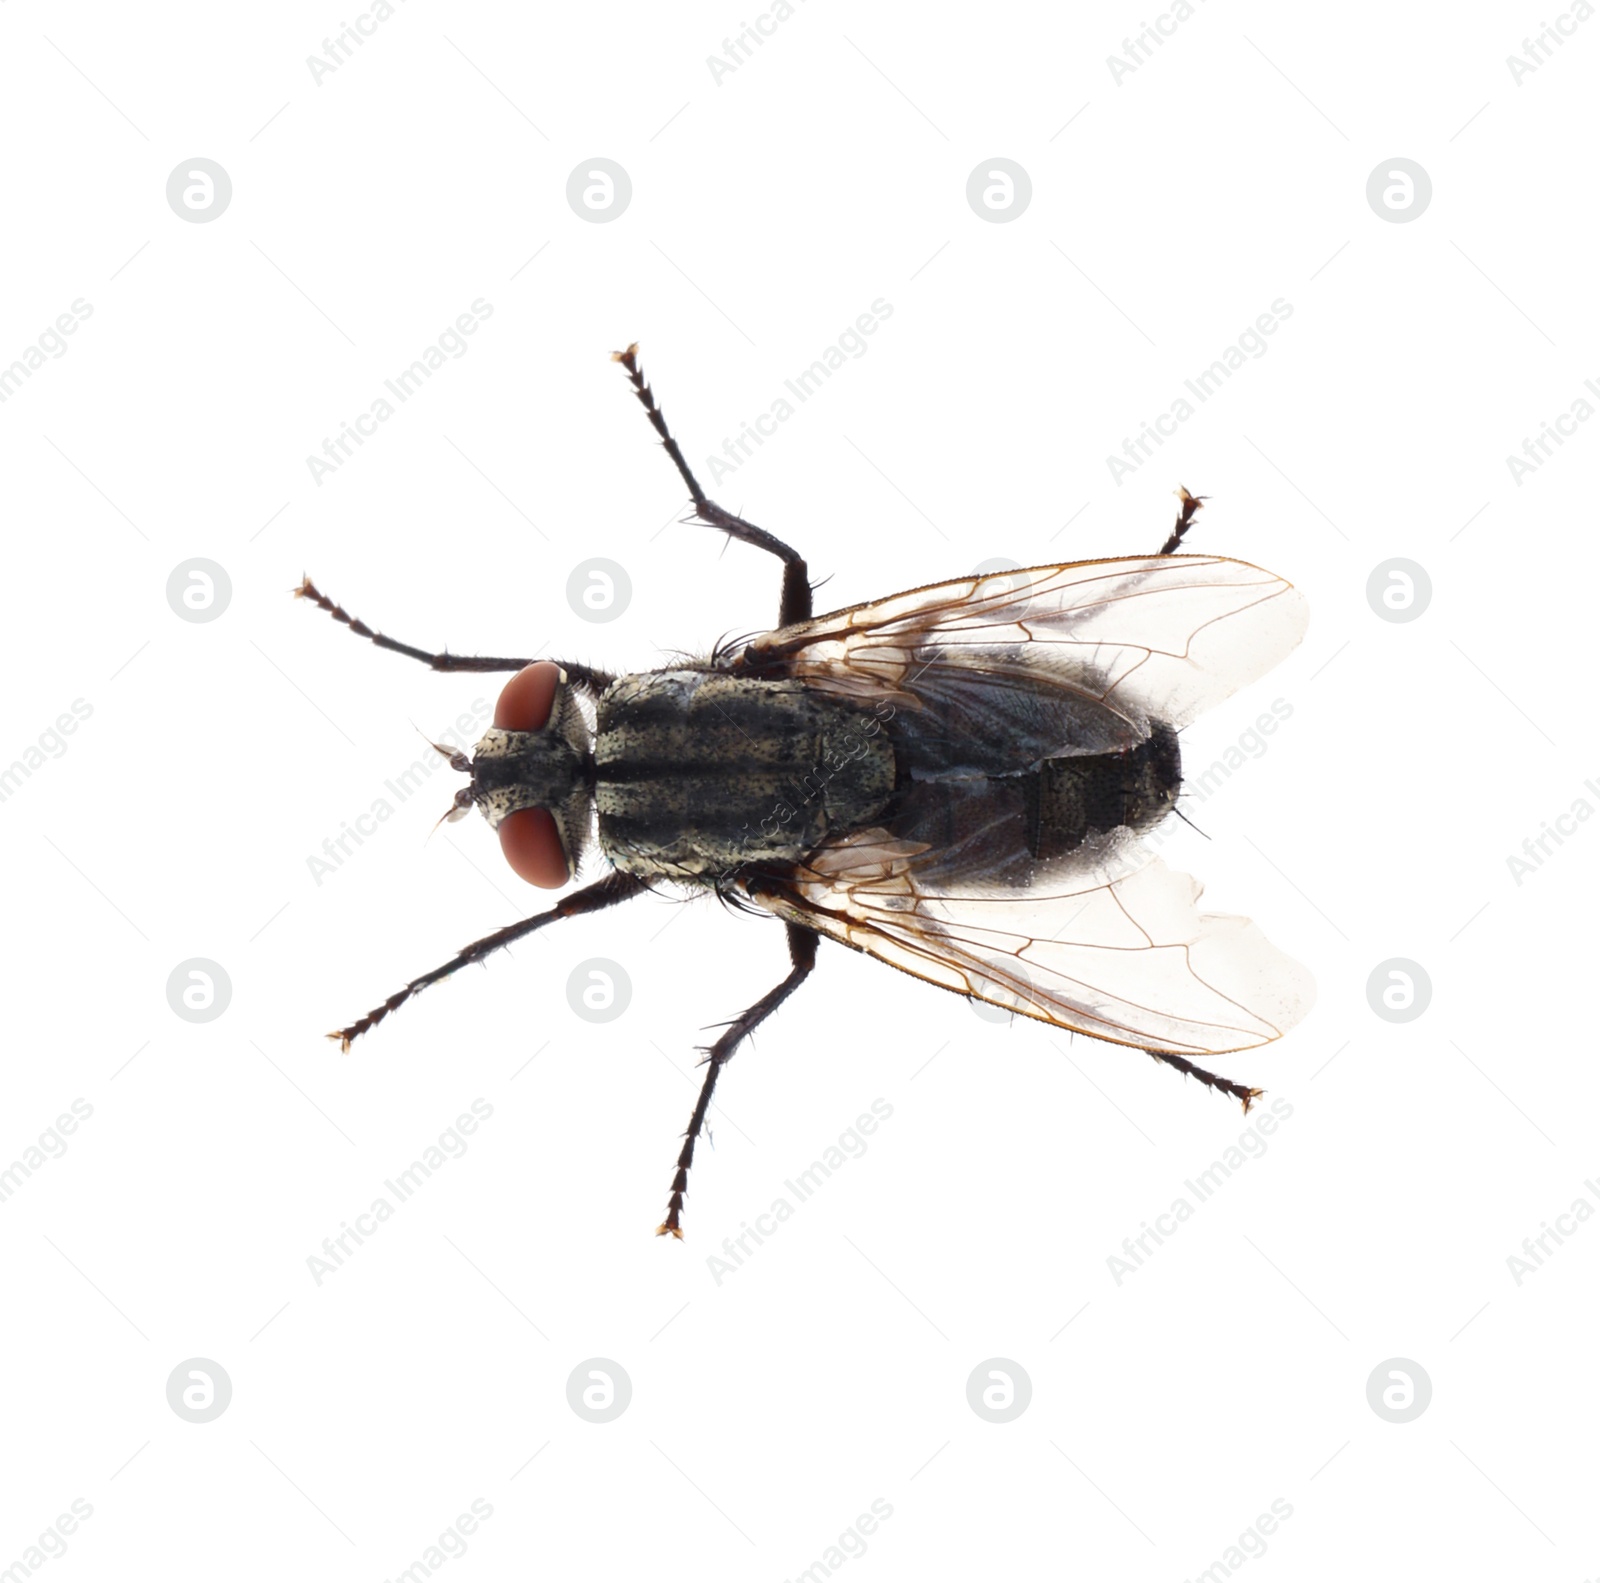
point(954, 780)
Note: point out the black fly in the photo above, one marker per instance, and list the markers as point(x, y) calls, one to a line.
point(953, 779)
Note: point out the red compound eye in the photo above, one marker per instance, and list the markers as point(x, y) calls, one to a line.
point(528, 837)
point(533, 849)
point(524, 701)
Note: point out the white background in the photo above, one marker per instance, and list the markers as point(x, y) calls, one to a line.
point(771, 1408)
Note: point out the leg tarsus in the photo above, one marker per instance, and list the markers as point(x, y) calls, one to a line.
point(630, 362)
point(605, 892)
point(1188, 506)
point(803, 955)
point(1222, 1085)
point(795, 602)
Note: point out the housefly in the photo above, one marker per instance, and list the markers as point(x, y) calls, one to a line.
point(954, 780)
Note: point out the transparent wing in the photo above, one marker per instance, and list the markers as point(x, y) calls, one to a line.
point(1109, 944)
point(1000, 671)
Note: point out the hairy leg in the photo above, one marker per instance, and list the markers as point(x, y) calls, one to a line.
point(803, 954)
point(605, 892)
point(1223, 1085)
point(583, 675)
point(795, 602)
point(1188, 506)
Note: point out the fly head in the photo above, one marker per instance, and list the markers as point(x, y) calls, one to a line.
point(533, 775)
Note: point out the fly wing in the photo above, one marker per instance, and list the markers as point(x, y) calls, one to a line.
point(1109, 944)
point(1000, 671)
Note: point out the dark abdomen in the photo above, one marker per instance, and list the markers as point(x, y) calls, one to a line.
point(1004, 830)
point(1068, 800)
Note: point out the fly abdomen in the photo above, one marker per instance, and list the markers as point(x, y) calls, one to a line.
point(699, 772)
point(1004, 831)
point(1069, 799)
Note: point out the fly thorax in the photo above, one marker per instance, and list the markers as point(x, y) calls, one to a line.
point(700, 773)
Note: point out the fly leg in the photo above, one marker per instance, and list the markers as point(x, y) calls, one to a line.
point(606, 892)
point(1188, 506)
point(1245, 1096)
point(583, 675)
point(803, 954)
point(795, 602)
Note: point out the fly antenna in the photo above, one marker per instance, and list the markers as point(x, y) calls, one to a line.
point(457, 810)
point(454, 757)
